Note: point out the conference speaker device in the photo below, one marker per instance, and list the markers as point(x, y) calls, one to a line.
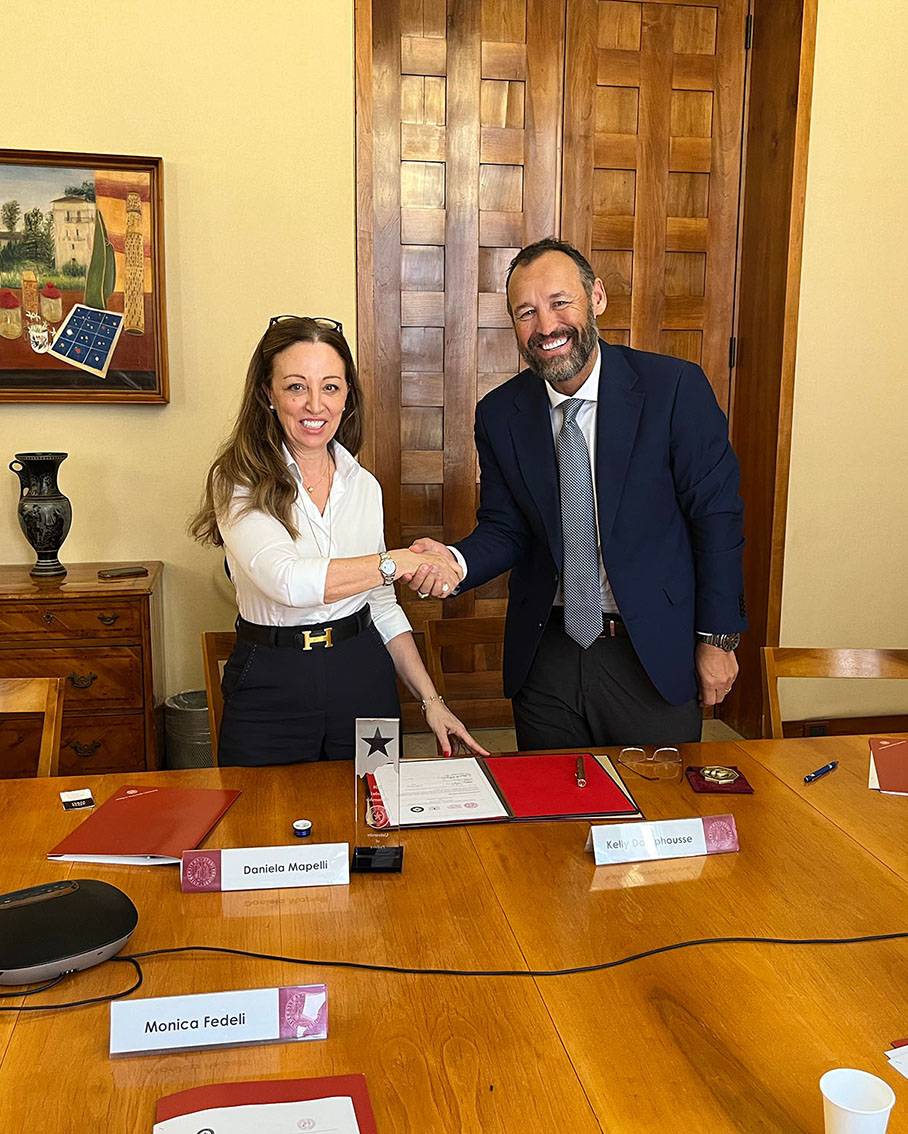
point(62, 927)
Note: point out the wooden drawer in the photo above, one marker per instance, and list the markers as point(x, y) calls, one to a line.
point(114, 743)
point(46, 621)
point(97, 677)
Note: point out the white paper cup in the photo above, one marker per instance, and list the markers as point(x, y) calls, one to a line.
point(855, 1102)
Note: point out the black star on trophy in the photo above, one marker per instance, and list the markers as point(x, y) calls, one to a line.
point(377, 846)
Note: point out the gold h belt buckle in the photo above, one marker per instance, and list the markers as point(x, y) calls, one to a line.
point(310, 639)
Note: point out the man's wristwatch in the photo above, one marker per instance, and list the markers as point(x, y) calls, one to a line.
point(727, 642)
point(387, 568)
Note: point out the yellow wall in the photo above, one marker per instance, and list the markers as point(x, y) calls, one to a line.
point(251, 107)
point(847, 541)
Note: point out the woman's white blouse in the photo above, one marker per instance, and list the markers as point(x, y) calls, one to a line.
point(281, 581)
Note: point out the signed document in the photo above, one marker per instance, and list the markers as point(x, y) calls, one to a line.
point(443, 791)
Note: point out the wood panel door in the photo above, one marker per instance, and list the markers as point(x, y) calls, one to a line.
point(483, 125)
point(458, 166)
point(652, 130)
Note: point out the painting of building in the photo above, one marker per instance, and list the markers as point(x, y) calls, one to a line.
point(73, 229)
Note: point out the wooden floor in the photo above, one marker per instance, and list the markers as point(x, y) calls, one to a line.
point(730, 1037)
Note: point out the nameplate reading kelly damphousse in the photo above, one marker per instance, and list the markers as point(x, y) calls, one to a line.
point(265, 868)
point(664, 838)
point(219, 1019)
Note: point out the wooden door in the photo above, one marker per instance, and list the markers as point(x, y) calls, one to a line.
point(458, 166)
point(652, 155)
point(483, 125)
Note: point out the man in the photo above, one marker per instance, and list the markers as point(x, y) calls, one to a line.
point(609, 489)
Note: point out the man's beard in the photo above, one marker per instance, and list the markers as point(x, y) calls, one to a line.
point(556, 371)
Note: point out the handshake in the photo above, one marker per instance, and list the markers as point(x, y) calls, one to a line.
point(429, 568)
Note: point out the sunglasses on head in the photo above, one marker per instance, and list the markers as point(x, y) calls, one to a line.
point(320, 321)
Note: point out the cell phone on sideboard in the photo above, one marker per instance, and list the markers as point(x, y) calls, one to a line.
point(136, 572)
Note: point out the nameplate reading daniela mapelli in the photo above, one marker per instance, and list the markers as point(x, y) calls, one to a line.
point(219, 1019)
point(265, 868)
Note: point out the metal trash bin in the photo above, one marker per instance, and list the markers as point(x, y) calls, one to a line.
point(187, 735)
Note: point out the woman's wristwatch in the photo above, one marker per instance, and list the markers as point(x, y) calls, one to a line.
point(387, 568)
point(727, 642)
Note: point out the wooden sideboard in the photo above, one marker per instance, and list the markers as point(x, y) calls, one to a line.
point(105, 638)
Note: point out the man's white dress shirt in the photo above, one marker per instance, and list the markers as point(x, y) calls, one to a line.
point(281, 581)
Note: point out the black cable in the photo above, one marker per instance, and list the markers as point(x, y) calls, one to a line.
point(31, 991)
point(599, 967)
point(79, 1003)
point(407, 970)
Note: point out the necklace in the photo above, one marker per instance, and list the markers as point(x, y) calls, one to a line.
point(328, 514)
point(310, 488)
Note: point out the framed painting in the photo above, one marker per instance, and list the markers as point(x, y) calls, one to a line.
point(82, 315)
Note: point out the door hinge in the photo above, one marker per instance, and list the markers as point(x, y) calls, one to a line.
point(732, 352)
point(748, 31)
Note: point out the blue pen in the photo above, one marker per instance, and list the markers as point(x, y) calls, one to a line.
point(830, 767)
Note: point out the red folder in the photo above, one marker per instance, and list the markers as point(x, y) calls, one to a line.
point(146, 825)
point(891, 760)
point(545, 787)
point(271, 1091)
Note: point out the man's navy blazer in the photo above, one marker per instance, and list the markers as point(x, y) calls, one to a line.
point(670, 517)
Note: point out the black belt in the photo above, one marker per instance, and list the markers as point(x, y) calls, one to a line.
point(612, 623)
point(325, 634)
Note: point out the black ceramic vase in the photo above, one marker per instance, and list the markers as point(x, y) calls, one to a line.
point(45, 514)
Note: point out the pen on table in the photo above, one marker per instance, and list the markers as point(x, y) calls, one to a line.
point(830, 767)
point(580, 772)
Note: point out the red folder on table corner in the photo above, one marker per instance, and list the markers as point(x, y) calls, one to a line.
point(890, 757)
point(545, 787)
point(147, 822)
point(271, 1091)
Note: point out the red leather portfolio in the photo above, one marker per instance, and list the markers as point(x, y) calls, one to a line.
point(224, 1095)
point(145, 825)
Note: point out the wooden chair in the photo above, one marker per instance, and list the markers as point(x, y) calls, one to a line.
point(217, 647)
point(780, 661)
point(477, 697)
point(38, 695)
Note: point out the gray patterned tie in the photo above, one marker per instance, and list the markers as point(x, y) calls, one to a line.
point(580, 574)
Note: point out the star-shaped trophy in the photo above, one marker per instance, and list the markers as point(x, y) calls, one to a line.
point(377, 847)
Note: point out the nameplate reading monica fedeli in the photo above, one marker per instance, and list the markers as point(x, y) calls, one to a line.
point(219, 1019)
point(265, 868)
point(665, 838)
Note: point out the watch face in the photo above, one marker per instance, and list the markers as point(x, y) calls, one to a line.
point(388, 568)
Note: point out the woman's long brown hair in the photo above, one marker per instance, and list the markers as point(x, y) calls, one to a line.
point(252, 457)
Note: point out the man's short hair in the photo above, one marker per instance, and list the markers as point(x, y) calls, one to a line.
point(552, 244)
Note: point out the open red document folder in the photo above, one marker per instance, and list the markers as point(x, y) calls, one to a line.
point(545, 787)
point(145, 826)
point(339, 1103)
point(502, 788)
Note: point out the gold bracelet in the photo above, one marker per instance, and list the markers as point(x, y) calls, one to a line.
point(426, 701)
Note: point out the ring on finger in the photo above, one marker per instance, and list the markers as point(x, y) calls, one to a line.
point(423, 594)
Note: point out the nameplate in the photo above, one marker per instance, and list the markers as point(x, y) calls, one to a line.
point(664, 838)
point(265, 868)
point(219, 1019)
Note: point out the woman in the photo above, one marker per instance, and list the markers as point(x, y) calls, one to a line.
point(320, 635)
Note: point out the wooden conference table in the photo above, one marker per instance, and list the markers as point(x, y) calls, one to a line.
point(720, 1038)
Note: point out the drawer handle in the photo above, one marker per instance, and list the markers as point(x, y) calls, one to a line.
point(47, 618)
point(82, 680)
point(84, 749)
point(108, 619)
